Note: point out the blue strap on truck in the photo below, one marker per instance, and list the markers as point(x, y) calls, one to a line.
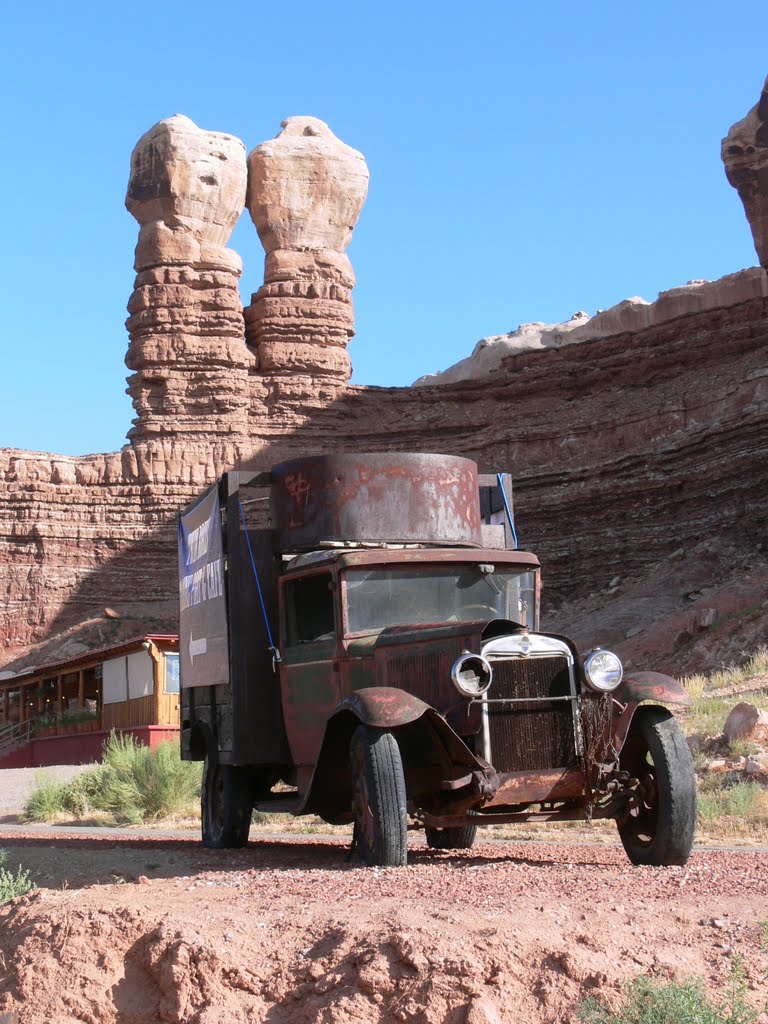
point(500, 478)
point(276, 659)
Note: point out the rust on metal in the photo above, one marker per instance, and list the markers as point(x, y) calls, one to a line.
point(437, 556)
point(639, 686)
point(420, 663)
point(621, 720)
point(538, 787)
point(383, 707)
point(377, 498)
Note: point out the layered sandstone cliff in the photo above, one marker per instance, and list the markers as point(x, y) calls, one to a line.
point(640, 453)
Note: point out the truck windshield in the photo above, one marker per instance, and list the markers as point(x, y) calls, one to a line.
point(377, 598)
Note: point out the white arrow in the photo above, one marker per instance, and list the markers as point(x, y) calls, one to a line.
point(197, 647)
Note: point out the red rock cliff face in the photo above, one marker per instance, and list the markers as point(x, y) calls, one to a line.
point(640, 458)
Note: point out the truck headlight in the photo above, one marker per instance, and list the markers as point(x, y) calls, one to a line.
point(471, 674)
point(603, 670)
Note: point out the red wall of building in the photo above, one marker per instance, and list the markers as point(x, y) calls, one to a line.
point(82, 748)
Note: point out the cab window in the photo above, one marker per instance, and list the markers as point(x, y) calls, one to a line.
point(309, 609)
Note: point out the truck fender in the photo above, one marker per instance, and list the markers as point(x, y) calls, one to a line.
point(640, 686)
point(417, 726)
point(383, 707)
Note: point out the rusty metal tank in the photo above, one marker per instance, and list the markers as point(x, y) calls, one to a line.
point(381, 498)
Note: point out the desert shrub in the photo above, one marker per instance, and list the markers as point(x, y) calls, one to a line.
point(654, 1001)
point(132, 785)
point(137, 784)
point(709, 807)
point(46, 801)
point(13, 885)
point(744, 800)
point(81, 793)
point(723, 796)
point(744, 748)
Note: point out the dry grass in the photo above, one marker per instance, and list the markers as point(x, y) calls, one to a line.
point(709, 712)
point(698, 685)
point(731, 809)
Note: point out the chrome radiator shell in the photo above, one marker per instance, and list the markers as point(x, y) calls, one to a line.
point(531, 711)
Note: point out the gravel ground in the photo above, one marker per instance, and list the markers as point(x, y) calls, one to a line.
point(137, 930)
point(16, 784)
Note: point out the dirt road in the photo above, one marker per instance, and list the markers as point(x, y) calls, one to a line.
point(145, 930)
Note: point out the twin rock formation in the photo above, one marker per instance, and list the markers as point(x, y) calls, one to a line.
point(196, 353)
point(304, 191)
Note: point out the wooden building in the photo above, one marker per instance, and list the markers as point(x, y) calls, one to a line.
point(131, 687)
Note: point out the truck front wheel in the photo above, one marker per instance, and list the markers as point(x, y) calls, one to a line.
point(226, 804)
point(659, 829)
point(378, 799)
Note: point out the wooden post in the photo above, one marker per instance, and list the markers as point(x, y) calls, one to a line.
point(158, 680)
point(59, 694)
point(6, 705)
point(22, 704)
point(81, 689)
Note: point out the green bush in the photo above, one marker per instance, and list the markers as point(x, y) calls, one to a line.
point(653, 1001)
point(744, 799)
point(724, 796)
point(138, 784)
point(13, 885)
point(132, 785)
point(46, 801)
point(81, 793)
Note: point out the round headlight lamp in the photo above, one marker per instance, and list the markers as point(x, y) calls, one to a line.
point(471, 674)
point(603, 671)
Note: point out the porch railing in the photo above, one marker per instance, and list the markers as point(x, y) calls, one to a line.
point(14, 734)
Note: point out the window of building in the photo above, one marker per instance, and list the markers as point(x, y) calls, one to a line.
point(171, 673)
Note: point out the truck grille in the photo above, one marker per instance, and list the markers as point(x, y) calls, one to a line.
point(536, 734)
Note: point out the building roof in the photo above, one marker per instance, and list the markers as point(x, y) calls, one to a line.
point(89, 657)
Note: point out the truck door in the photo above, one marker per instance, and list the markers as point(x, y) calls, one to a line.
point(309, 672)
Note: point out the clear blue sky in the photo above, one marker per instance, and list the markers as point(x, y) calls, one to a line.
point(527, 160)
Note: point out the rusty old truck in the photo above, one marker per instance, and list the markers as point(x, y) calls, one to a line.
point(360, 640)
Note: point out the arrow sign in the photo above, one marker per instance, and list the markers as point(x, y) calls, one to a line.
point(202, 599)
point(197, 647)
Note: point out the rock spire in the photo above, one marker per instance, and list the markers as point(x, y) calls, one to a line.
point(305, 192)
point(745, 155)
point(187, 348)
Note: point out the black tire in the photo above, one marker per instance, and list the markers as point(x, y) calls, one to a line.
point(460, 837)
point(378, 799)
point(660, 831)
point(226, 804)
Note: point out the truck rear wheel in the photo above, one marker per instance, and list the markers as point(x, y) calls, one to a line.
point(226, 803)
point(660, 829)
point(461, 837)
point(378, 799)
